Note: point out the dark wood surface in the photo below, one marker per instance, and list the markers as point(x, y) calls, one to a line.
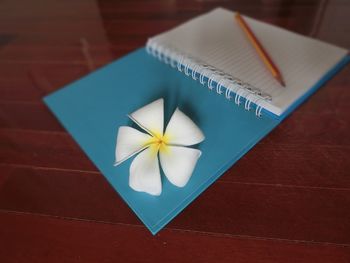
point(287, 200)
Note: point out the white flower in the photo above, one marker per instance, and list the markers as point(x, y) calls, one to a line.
point(177, 161)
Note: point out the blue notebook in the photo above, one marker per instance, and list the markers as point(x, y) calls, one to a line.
point(234, 110)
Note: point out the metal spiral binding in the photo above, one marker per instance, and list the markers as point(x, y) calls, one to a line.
point(208, 75)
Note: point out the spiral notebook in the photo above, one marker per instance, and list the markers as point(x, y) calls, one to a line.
point(213, 46)
point(207, 68)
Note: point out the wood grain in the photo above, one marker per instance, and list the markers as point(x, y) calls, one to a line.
point(87, 196)
point(32, 237)
point(287, 200)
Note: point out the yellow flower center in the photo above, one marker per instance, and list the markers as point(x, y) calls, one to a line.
point(158, 142)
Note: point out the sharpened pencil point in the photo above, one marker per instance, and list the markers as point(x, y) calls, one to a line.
point(281, 81)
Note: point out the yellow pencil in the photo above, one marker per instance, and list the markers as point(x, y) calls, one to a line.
point(260, 49)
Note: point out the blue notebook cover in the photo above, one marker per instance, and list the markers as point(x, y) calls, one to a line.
point(94, 107)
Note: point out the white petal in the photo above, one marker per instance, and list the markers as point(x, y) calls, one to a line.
point(150, 117)
point(129, 142)
point(144, 172)
point(178, 163)
point(181, 130)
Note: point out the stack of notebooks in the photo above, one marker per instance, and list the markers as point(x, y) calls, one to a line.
point(208, 69)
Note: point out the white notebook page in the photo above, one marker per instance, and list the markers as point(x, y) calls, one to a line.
point(217, 39)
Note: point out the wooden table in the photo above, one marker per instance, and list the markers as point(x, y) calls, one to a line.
point(287, 200)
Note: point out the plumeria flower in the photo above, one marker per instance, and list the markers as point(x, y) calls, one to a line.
point(176, 160)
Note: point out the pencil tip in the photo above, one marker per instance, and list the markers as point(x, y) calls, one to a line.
point(280, 80)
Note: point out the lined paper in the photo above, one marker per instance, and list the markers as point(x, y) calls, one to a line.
point(216, 39)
